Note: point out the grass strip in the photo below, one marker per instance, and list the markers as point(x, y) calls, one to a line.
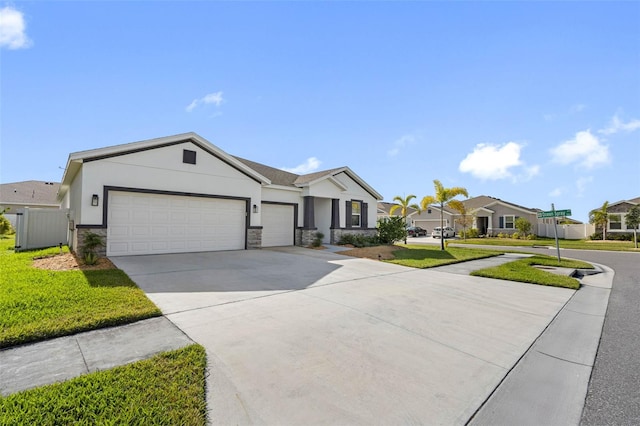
point(37, 304)
point(522, 270)
point(550, 242)
point(428, 256)
point(168, 389)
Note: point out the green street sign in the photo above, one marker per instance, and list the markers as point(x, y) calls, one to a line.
point(556, 213)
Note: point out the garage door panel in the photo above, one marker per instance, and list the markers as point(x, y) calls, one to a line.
point(277, 225)
point(141, 223)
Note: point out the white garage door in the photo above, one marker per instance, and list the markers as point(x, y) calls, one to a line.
point(152, 224)
point(428, 224)
point(277, 225)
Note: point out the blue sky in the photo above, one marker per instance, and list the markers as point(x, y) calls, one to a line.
point(531, 102)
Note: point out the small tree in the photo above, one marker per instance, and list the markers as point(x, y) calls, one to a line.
point(633, 221)
point(5, 225)
point(391, 229)
point(600, 217)
point(465, 219)
point(317, 241)
point(404, 204)
point(90, 243)
point(523, 226)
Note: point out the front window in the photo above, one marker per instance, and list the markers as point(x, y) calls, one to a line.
point(615, 221)
point(355, 213)
point(509, 222)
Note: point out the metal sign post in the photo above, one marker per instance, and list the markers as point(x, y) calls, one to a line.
point(555, 231)
point(555, 213)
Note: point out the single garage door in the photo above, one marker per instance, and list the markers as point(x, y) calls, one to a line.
point(277, 225)
point(152, 224)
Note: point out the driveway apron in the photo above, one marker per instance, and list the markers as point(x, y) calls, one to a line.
point(298, 336)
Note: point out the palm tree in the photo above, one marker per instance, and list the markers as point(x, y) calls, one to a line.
point(600, 217)
point(444, 197)
point(404, 204)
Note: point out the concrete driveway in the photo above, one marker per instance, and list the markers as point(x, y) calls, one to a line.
point(299, 336)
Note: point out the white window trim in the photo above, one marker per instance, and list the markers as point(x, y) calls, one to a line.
point(621, 222)
point(513, 221)
point(359, 214)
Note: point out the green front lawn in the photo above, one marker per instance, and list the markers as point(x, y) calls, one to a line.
point(38, 304)
point(428, 256)
point(550, 242)
point(168, 389)
point(523, 271)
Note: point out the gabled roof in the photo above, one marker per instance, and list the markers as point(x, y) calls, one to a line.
point(446, 210)
point(30, 192)
point(284, 178)
point(485, 202)
point(634, 201)
point(276, 176)
point(76, 159)
point(384, 207)
point(263, 174)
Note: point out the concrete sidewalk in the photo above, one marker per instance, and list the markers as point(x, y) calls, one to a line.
point(549, 384)
point(57, 360)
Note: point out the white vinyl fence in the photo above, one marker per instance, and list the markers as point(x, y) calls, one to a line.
point(39, 228)
point(567, 232)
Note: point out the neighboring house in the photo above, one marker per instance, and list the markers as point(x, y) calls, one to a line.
point(493, 216)
point(430, 218)
point(30, 193)
point(384, 210)
point(617, 212)
point(183, 194)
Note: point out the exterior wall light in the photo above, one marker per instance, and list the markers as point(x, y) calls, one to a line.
point(95, 199)
point(255, 208)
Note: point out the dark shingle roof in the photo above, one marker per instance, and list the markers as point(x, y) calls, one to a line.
point(276, 176)
point(302, 179)
point(281, 177)
point(484, 200)
point(29, 192)
point(385, 207)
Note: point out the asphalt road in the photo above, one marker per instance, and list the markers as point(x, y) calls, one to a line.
point(613, 397)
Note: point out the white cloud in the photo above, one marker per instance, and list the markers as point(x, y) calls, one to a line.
point(616, 125)
point(493, 162)
point(584, 150)
point(311, 165)
point(582, 184)
point(556, 192)
point(13, 29)
point(528, 173)
point(401, 143)
point(212, 98)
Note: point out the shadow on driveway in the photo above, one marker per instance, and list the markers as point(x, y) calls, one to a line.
point(230, 271)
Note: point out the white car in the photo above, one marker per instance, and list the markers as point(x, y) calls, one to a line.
point(448, 232)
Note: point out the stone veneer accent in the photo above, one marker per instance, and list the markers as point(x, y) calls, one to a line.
point(336, 234)
point(81, 232)
point(254, 238)
point(306, 237)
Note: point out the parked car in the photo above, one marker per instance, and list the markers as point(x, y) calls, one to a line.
point(416, 231)
point(447, 232)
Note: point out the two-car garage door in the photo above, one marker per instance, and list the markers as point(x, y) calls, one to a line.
point(141, 223)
